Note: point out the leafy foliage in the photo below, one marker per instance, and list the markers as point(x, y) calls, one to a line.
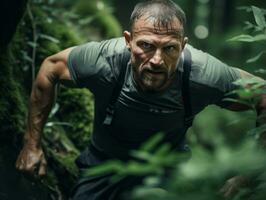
point(46, 28)
point(100, 13)
point(259, 29)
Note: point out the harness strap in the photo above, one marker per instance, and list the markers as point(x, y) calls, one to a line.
point(186, 90)
point(116, 91)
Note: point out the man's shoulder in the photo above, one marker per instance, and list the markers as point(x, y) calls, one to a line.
point(115, 52)
point(210, 71)
point(98, 61)
point(198, 57)
point(109, 47)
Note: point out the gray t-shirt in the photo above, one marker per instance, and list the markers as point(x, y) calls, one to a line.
point(138, 115)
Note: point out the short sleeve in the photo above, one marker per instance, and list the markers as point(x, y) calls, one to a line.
point(211, 79)
point(221, 75)
point(94, 65)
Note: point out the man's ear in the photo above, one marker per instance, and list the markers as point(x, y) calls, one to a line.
point(127, 36)
point(185, 41)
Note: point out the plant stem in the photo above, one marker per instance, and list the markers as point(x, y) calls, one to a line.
point(35, 38)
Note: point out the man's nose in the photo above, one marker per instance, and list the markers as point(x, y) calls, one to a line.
point(157, 58)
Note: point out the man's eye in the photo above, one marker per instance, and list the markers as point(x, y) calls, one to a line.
point(146, 46)
point(170, 49)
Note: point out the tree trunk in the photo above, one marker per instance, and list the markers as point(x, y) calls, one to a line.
point(13, 185)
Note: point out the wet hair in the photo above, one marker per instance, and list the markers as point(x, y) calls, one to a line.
point(162, 12)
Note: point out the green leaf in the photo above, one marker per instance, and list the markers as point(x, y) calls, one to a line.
point(259, 17)
point(32, 44)
point(48, 37)
point(246, 93)
point(243, 82)
point(248, 38)
point(87, 20)
point(163, 150)
point(245, 8)
point(136, 168)
point(249, 25)
point(261, 71)
point(103, 169)
point(27, 58)
point(54, 110)
point(50, 124)
point(152, 143)
point(258, 130)
point(142, 155)
point(254, 59)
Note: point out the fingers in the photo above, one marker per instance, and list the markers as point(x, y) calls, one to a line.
point(233, 185)
point(18, 162)
point(21, 162)
point(42, 168)
point(25, 165)
point(31, 162)
point(227, 190)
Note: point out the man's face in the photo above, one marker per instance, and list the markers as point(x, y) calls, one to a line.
point(155, 52)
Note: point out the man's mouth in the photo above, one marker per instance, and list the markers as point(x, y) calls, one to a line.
point(155, 71)
point(154, 74)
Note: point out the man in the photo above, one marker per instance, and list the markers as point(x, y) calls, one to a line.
point(151, 60)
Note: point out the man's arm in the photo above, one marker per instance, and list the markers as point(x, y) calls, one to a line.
point(241, 107)
point(52, 71)
point(235, 183)
point(260, 107)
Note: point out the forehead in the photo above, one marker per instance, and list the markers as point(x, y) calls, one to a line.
point(149, 26)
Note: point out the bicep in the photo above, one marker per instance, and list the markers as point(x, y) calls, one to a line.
point(54, 69)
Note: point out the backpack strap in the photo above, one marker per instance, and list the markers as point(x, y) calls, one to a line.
point(186, 89)
point(116, 91)
point(188, 118)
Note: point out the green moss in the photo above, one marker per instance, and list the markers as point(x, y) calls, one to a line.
point(12, 104)
point(64, 172)
point(76, 108)
point(68, 161)
point(99, 14)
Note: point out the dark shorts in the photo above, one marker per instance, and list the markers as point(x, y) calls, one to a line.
point(100, 187)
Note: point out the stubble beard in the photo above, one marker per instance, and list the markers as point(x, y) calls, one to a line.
point(148, 83)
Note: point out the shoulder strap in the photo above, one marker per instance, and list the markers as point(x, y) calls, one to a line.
point(186, 88)
point(119, 84)
point(116, 91)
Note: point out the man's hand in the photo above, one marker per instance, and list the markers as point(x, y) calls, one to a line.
point(32, 160)
point(233, 185)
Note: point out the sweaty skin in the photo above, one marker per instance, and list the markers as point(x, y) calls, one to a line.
point(53, 70)
point(155, 52)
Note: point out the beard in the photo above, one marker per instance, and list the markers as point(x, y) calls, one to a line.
point(152, 80)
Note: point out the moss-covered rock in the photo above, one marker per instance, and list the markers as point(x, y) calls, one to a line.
point(76, 108)
point(43, 32)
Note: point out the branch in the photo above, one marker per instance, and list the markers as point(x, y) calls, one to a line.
point(35, 38)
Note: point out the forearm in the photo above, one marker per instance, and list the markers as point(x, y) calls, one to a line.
point(41, 101)
point(52, 70)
